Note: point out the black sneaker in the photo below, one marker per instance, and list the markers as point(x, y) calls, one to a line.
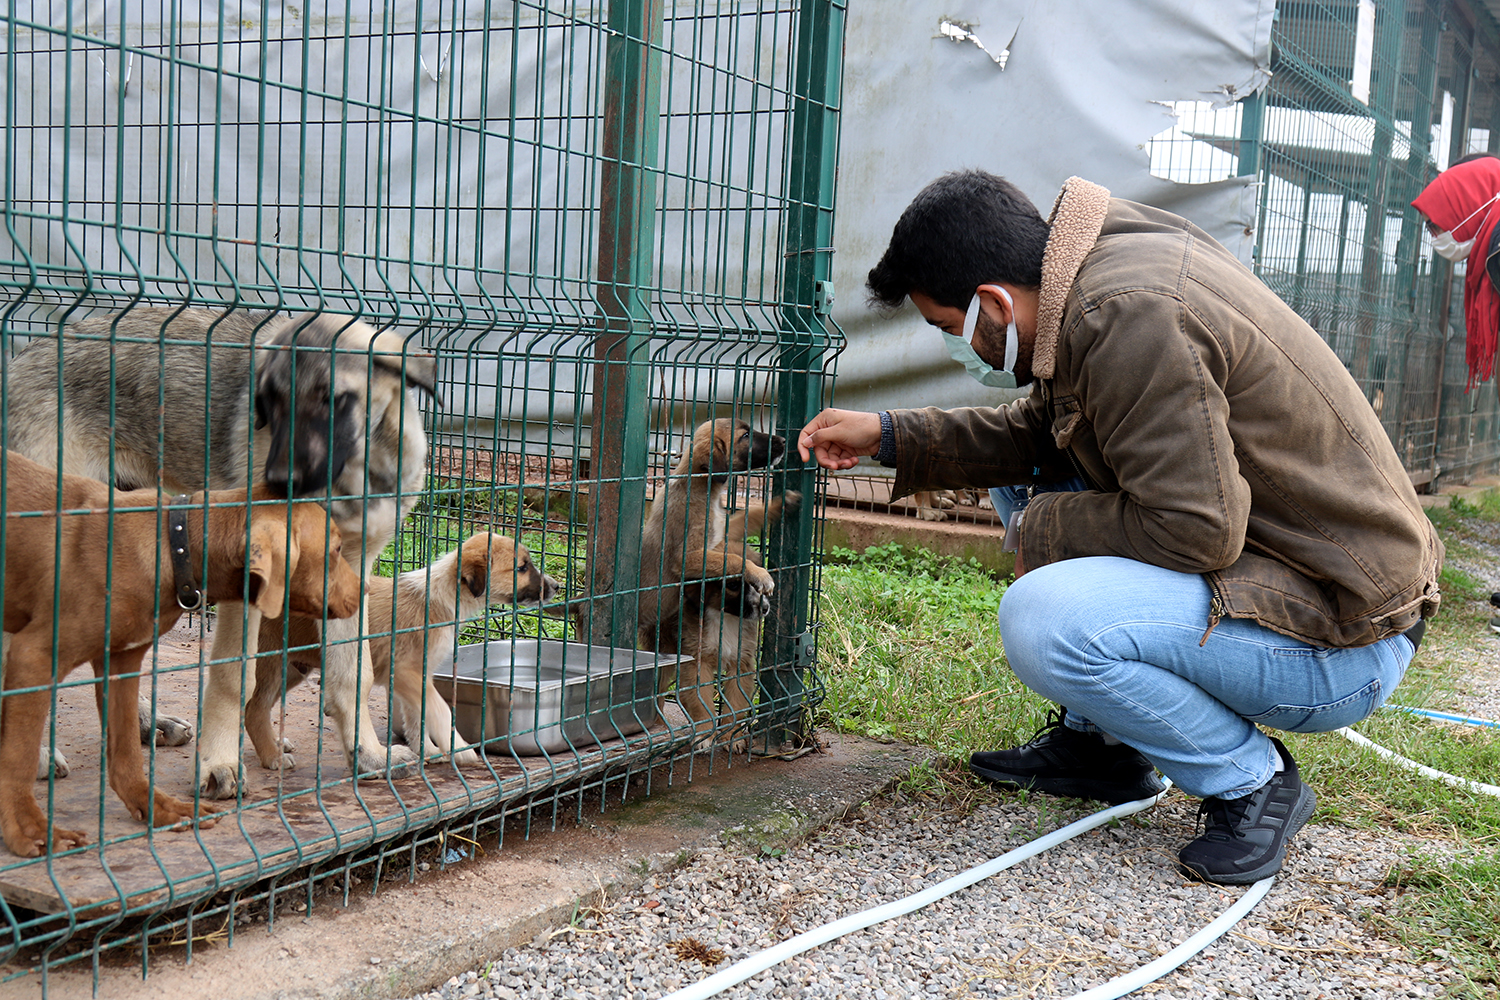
point(1063, 761)
point(1245, 839)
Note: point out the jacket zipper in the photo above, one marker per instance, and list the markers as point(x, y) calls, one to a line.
point(1216, 611)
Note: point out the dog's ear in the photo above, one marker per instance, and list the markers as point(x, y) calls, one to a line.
point(721, 457)
point(273, 555)
point(418, 370)
point(262, 411)
point(475, 575)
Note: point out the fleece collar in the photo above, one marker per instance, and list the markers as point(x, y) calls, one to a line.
point(1077, 217)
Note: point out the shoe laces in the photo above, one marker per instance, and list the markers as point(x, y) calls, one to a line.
point(1053, 724)
point(1223, 816)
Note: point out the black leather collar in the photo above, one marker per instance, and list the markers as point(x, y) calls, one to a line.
point(184, 582)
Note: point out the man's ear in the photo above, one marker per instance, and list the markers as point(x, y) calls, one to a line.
point(273, 557)
point(1002, 301)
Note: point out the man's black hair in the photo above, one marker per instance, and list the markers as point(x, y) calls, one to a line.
point(963, 230)
point(1481, 155)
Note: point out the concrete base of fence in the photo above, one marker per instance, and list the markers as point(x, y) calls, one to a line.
point(412, 937)
point(1473, 492)
point(964, 539)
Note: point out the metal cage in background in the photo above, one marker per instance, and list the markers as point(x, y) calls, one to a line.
point(601, 224)
point(1368, 101)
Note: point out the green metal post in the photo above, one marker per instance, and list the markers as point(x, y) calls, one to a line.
point(1252, 126)
point(627, 226)
point(1390, 34)
point(1424, 84)
point(807, 298)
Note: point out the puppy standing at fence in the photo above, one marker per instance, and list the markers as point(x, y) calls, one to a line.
point(414, 619)
point(359, 447)
point(111, 605)
point(690, 538)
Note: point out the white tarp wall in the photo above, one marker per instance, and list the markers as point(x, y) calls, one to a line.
point(1086, 84)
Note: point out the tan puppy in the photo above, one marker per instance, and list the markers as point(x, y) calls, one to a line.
point(428, 604)
point(141, 606)
point(713, 592)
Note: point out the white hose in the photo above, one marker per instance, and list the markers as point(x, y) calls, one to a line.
point(761, 961)
point(1156, 968)
point(1423, 769)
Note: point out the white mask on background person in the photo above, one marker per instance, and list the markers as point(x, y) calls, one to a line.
point(961, 348)
point(1445, 246)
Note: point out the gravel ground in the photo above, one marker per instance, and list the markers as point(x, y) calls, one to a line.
point(1478, 555)
point(1067, 920)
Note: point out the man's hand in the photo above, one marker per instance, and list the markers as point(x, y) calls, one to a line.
point(839, 437)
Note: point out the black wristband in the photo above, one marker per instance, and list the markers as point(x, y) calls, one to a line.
point(887, 453)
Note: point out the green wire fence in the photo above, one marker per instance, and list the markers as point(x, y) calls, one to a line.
point(601, 225)
point(1367, 102)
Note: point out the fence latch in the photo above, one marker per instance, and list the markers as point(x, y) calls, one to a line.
point(822, 298)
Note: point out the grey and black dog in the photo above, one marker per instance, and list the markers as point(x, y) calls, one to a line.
point(168, 393)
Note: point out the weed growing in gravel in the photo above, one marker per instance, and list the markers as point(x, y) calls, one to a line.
point(1450, 909)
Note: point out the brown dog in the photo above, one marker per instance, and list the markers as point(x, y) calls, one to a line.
point(713, 592)
point(414, 621)
point(121, 551)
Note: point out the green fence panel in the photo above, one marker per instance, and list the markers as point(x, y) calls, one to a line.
point(546, 242)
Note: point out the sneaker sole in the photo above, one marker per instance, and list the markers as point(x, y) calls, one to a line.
point(1300, 815)
point(1073, 788)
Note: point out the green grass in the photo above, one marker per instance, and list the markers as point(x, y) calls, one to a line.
point(1451, 911)
point(909, 650)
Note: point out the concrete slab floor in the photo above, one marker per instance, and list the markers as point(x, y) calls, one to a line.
point(414, 936)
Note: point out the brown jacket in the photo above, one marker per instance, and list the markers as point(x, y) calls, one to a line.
point(1218, 432)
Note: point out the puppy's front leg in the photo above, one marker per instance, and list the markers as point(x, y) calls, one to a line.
point(23, 825)
point(231, 679)
point(347, 679)
point(123, 758)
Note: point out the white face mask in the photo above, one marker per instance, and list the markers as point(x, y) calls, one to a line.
point(961, 348)
point(1444, 245)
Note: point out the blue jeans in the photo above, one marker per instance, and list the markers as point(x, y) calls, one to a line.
point(1117, 642)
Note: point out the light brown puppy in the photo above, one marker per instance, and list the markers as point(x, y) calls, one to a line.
point(428, 606)
point(114, 604)
point(712, 592)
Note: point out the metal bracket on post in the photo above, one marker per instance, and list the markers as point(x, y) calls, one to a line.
point(804, 650)
point(823, 298)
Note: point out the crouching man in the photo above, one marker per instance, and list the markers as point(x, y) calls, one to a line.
point(1245, 550)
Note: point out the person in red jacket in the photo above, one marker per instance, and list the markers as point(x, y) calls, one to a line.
point(1462, 210)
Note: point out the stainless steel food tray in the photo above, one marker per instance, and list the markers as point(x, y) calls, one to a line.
point(531, 696)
